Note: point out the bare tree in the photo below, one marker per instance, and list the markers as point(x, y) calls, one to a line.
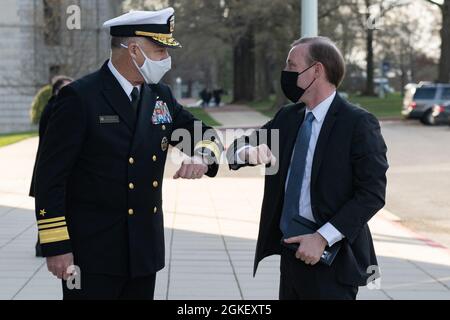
point(58, 50)
point(369, 22)
point(444, 61)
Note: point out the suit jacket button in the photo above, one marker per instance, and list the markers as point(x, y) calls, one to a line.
point(155, 184)
point(163, 127)
point(155, 210)
point(131, 186)
point(131, 161)
point(154, 158)
point(131, 212)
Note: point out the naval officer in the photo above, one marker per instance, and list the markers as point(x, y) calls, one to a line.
point(99, 175)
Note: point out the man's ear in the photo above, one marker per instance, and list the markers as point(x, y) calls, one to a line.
point(133, 50)
point(319, 70)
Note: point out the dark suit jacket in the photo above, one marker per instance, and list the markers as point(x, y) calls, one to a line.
point(94, 148)
point(348, 182)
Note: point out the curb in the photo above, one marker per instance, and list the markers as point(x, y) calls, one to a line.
point(396, 220)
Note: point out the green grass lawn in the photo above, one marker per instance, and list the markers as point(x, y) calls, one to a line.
point(265, 106)
point(202, 115)
point(10, 138)
point(389, 107)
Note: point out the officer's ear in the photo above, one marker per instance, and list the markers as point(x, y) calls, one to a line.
point(133, 49)
point(136, 53)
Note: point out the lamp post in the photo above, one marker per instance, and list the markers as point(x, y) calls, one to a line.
point(178, 88)
point(310, 18)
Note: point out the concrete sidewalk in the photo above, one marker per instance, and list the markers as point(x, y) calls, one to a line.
point(211, 229)
point(237, 116)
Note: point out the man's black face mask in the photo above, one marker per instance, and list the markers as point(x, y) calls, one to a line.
point(289, 84)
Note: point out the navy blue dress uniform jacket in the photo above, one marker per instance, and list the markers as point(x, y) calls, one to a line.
point(43, 121)
point(99, 175)
point(348, 183)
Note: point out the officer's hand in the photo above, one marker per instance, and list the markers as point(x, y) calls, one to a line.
point(192, 168)
point(59, 265)
point(258, 155)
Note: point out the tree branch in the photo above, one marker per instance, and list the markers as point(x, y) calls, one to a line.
point(435, 3)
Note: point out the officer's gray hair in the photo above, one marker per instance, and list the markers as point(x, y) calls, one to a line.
point(117, 41)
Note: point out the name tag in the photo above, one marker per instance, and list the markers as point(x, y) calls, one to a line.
point(109, 119)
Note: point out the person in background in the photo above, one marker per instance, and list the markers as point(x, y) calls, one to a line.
point(58, 82)
point(206, 96)
point(217, 94)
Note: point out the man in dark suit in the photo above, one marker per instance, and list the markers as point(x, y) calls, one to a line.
point(332, 171)
point(101, 165)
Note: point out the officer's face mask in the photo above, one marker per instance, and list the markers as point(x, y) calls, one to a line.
point(152, 71)
point(289, 85)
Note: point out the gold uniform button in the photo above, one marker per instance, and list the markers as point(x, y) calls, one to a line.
point(154, 158)
point(155, 210)
point(131, 212)
point(163, 127)
point(131, 161)
point(131, 186)
point(155, 184)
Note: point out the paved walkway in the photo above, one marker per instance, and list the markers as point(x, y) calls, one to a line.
point(211, 229)
point(237, 116)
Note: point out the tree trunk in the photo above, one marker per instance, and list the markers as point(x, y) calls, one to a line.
point(189, 88)
point(263, 86)
point(444, 62)
point(244, 68)
point(370, 64)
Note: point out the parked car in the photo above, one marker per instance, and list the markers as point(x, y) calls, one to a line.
point(420, 100)
point(441, 114)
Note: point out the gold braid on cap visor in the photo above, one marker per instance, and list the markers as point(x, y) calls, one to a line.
point(166, 39)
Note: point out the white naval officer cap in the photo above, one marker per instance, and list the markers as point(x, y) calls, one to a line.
point(158, 26)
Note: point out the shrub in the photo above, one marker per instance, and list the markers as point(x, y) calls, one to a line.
point(39, 102)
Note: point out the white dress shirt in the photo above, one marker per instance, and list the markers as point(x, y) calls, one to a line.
point(328, 231)
point(124, 83)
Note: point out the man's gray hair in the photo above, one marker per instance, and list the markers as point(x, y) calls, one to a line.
point(117, 41)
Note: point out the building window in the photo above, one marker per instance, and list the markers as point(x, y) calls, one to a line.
point(52, 22)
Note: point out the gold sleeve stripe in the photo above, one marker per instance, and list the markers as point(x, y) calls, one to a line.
point(51, 220)
point(210, 145)
point(53, 235)
point(52, 225)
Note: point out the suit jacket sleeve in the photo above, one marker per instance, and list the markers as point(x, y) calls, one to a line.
point(369, 163)
point(60, 149)
point(258, 137)
point(196, 138)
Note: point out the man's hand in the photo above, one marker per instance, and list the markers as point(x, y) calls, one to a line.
point(192, 168)
point(311, 247)
point(258, 155)
point(58, 265)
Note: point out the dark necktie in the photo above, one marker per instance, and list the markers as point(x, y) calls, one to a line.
point(135, 100)
point(298, 164)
